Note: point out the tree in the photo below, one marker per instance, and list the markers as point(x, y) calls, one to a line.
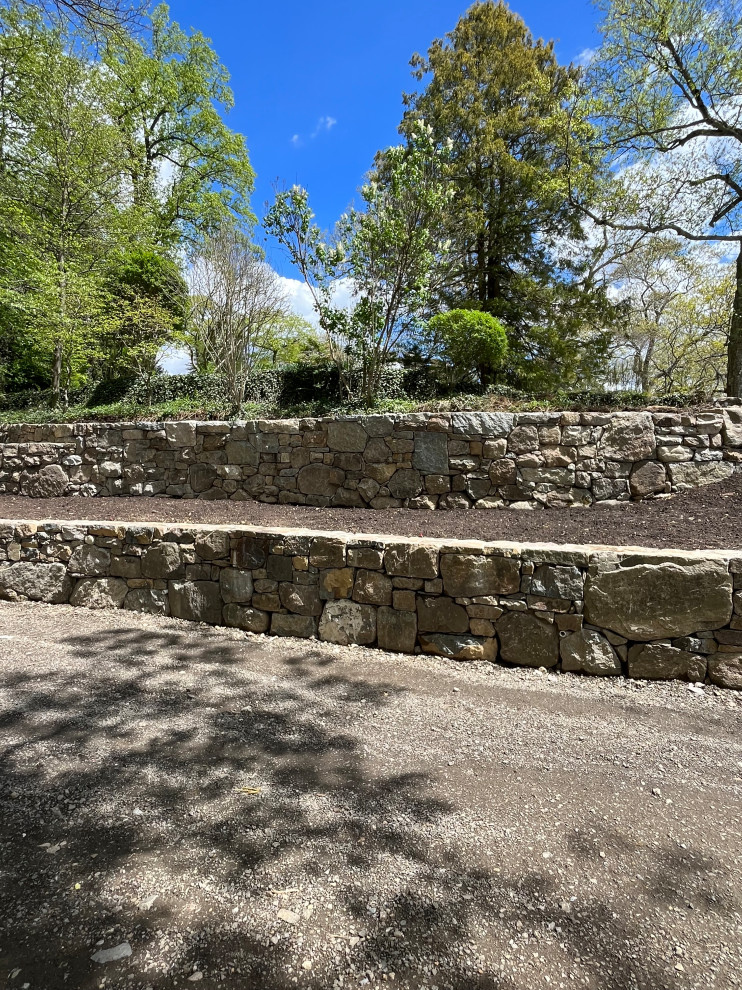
point(94, 15)
point(61, 194)
point(665, 89)
point(676, 301)
point(389, 252)
point(468, 344)
point(236, 304)
point(188, 172)
point(501, 101)
point(293, 340)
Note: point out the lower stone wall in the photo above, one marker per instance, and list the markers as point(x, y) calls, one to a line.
point(643, 613)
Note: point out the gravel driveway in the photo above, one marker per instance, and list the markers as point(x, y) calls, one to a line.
point(238, 811)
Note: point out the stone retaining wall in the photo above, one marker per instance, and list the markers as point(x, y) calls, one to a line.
point(645, 613)
point(421, 461)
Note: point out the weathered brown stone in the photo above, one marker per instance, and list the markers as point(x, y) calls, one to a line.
point(336, 583)
point(396, 630)
point(302, 626)
point(213, 545)
point(589, 652)
point(49, 482)
point(90, 560)
point(106, 592)
point(39, 582)
point(441, 614)
point(411, 560)
point(725, 669)
point(648, 601)
point(346, 435)
point(372, 588)
point(647, 478)
point(236, 584)
point(162, 561)
point(148, 600)
point(466, 575)
point(319, 479)
point(201, 476)
point(628, 436)
point(405, 483)
point(327, 551)
point(660, 661)
point(301, 598)
point(347, 622)
point(528, 641)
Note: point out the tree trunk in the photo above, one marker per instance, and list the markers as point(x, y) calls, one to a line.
point(57, 374)
point(734, 356)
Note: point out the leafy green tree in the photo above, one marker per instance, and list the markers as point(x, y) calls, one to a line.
point(468, 345)
point(188, 172)
point(292, 340)
point(389, 252)
point(665, 89)
point(61, 194)
point(502, 103)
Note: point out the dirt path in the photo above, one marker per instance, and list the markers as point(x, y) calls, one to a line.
point(700, 519)
point(247, 812)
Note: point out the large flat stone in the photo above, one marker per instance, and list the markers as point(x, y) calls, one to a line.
point(199, 601)
point(409, 560)
point(396, 630)
point(107, 592)
point(49, 482)
point(467, 575)
point(557, 582)
point(656, 601)
point(528, 641)
point(590, 653)
point(628, 436)
point(725, 669)
point(732, 428)
point(459, 647)
point(348, 622)
point(695, 474)
point(39, 582)
point(662, 662)
point(488, 425)
point(346, 435)
point(162, 561)
point(319, 479)
point(431, 453)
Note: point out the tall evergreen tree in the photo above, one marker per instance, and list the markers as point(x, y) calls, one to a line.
point(501, 100)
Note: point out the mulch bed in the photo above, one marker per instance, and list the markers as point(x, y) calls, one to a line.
point(704, 518)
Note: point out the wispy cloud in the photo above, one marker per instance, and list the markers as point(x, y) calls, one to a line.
point(323, 125)
point(586, 56)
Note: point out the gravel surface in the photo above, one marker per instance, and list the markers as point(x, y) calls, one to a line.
point(698, 519)
point(181, 804)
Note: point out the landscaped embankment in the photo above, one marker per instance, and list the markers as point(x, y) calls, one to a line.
point(653, 614)
point(421, 460)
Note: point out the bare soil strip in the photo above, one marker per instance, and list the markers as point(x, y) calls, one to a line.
point(703, 518)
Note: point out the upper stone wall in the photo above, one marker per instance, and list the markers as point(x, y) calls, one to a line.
point(422, 460)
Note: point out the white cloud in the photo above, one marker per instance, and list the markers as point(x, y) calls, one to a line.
point(586, 56)
point(323, 126)
point(300, 298)
point(175, 361)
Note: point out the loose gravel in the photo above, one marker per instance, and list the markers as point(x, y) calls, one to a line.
point(182, 805)
point(702, 518)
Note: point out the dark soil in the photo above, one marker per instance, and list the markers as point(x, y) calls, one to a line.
point(704, 518)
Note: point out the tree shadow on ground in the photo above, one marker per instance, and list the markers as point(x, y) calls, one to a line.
point(197, 796)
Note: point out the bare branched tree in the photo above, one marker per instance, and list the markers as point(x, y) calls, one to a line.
point(236, 304)
point(96, 15)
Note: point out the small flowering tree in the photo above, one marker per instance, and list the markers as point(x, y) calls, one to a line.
point(389, 251)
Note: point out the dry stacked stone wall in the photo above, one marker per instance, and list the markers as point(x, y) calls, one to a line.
point(421, 461)
point(646, 614)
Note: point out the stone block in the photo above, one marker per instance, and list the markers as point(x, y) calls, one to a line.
point(590, 653)
point(468, 575)
point(164, 560)
point(38, 582)
point(300, 598)
point(201, 477)
point(431, 453)
point(558, 582)
point(396, 631)
point(50, 481)
point(244, 617)
point(663, 662)
point(213, 545)
point(725, 669)
point(489, 426)
point(90, 560)
point(647, 478)
point(346, 435)
point(236, 585)
point(528, 641)
point(646, 601)
point(405, 483)
point(372, 588)
point(346, 622)
point(198, 601)
point(628, 436)
point(301, 626)
point(182, 434)
point(694, 474)
point(150, 600)
point(441, 614)
point(459, 647)
point(320, 479)
point(106, 592)
point(411, 560)
point(327, 551)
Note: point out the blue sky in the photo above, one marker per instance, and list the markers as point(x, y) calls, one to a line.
point(318, 85)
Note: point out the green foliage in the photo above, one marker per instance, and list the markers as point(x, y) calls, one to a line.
point(388, 252)
point(467, 344)
point(501, 103)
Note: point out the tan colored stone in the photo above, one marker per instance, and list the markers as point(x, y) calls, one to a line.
point(467, 575)
point(411, 560)
point(336, 583)
point(589, 652)
point(527, 640)
point(346, 622)
point(372, 588)
point(660, 661)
